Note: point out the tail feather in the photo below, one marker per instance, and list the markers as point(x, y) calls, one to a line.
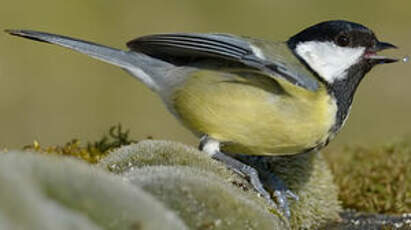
point(140, 65)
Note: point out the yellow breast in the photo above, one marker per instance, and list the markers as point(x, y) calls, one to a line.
point(255, 117)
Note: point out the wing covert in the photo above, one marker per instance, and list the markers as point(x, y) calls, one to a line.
point(190, 46)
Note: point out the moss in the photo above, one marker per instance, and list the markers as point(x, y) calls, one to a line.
point(202, 199)
point(307, 175)
point(93, 151)
point(166, 153)
point(48, 192)
point(374, 179)
point(371, 179)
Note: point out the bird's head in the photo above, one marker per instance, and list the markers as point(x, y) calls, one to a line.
point(333, 49)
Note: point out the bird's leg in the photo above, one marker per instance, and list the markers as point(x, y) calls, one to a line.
point(280, 192)
point(212, 147)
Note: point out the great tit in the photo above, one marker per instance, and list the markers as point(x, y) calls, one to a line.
point(250, 96)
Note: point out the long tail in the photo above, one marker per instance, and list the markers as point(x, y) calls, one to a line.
point(145, 68)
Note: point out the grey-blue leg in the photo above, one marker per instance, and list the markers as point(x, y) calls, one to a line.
point(280, 191)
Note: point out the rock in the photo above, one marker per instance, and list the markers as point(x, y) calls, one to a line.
point(306, 175)
point(49, 192)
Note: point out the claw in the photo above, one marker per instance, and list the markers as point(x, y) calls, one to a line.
point(281, 193)
point(292, 195)
point(252, 175)
point(282, 201)
point(275, 185)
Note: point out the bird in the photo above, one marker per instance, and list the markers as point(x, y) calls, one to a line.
point(249, 96)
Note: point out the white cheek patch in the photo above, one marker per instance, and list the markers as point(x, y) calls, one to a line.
point(329, 60)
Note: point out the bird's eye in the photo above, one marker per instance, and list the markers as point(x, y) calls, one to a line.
point(343, 40)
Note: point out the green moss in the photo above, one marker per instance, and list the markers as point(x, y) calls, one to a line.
point(48, 192)
point(374, 179)
point(93, 151)
point(166, 153)
point(307, 175)
point(203, 200)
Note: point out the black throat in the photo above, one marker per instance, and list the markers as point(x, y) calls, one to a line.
point(343, 91)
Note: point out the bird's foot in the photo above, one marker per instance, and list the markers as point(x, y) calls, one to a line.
point(280, 192)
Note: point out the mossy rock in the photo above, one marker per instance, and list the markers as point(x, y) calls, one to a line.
point(374, 179)
point(203, 200)
point(49, 192)
point(306, 175)
point(309, 177)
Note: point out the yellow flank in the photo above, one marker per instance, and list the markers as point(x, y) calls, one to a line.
point(254, 114)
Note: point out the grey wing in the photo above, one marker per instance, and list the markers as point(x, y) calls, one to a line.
point(182, 48)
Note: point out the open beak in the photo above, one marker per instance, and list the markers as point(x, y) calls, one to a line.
point(371, 54)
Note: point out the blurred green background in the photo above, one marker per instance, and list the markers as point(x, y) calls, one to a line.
point(52, 94)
